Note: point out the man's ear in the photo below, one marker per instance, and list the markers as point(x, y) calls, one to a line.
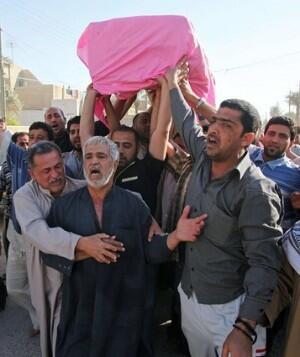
point(247, 139)
point(291, 143)
point(31, 173)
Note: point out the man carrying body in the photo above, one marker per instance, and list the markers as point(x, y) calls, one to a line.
point(140, 176)
point(103, 305)
point(56, 119)
point(32, 204)
point(231, 270)
point(136, 175)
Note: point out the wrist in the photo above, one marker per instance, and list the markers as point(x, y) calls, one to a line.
point(247, 327)
point(172, 240)
point(198, 102)
point(252, 323)
point(172, 84)
point(80, 246)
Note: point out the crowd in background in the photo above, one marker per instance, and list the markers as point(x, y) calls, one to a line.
point(201, 201)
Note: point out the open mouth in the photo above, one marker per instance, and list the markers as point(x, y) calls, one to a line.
point(212, 140)
point(95, 172)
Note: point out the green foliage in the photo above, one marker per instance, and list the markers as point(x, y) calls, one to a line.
point(12, 121)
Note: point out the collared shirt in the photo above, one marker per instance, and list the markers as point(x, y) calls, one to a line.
point(17, 160)
point(74, 165)
point(5, 186)
point(236, 252)
point(286, 174)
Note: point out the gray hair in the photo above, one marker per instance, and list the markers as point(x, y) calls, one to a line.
point(112, 147)
point(40, 148)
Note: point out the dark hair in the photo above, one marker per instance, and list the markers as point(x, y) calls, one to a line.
point(135, 118)
point(15, 135)
point(250, 117)
point(283, 120)
point(40, 148)
point(100, 129)
point(41, 125)
point(127, 129)
point(74, 120)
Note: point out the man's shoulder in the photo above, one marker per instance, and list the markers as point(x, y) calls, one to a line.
point(28, 188)
point(15, 151)
point(254, 152)
point(256, 182)
point(73, 184)
point(130, 197)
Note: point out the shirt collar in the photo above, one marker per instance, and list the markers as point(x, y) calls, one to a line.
point(271, 163)
point(243, 165)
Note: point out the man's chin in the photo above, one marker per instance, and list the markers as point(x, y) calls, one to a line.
point(122, 164)
point(274, 154)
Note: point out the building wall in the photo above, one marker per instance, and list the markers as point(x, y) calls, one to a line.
point(27, 117)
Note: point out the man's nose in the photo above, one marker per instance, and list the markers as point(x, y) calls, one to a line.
point(54, 174)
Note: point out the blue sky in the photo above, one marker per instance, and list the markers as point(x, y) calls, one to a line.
point(253, 47)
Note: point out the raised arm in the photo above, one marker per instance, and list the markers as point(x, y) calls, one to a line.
point(87, 126)
point(198, 104)
point(112, 118)
point(121, 106)
point(159, 138)
point(184, 118)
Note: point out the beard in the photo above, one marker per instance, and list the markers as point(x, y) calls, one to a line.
point(100, 182)
point(273, 153)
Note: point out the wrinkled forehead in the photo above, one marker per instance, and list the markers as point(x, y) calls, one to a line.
point(53, 112)
point(99, 148)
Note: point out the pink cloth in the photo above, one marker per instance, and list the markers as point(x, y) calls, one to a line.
point(127, 54)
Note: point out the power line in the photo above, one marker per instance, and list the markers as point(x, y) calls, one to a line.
point(251, 64)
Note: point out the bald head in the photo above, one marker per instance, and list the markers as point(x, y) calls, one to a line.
point(55, 118)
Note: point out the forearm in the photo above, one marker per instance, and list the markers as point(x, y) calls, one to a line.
point(204, 109)
point(160, 136)
point(112, 118)
point(87, 125)
point(122, 106)
point(185, 122)
point(157, 251)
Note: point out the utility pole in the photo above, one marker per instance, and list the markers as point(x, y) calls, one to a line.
point(2, 84)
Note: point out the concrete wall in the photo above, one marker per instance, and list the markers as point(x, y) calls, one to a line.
point(27, 117)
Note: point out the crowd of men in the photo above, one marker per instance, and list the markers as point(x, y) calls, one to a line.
point(189, 197)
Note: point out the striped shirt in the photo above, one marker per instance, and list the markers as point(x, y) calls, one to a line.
point(5, 186)
point(286, 174)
